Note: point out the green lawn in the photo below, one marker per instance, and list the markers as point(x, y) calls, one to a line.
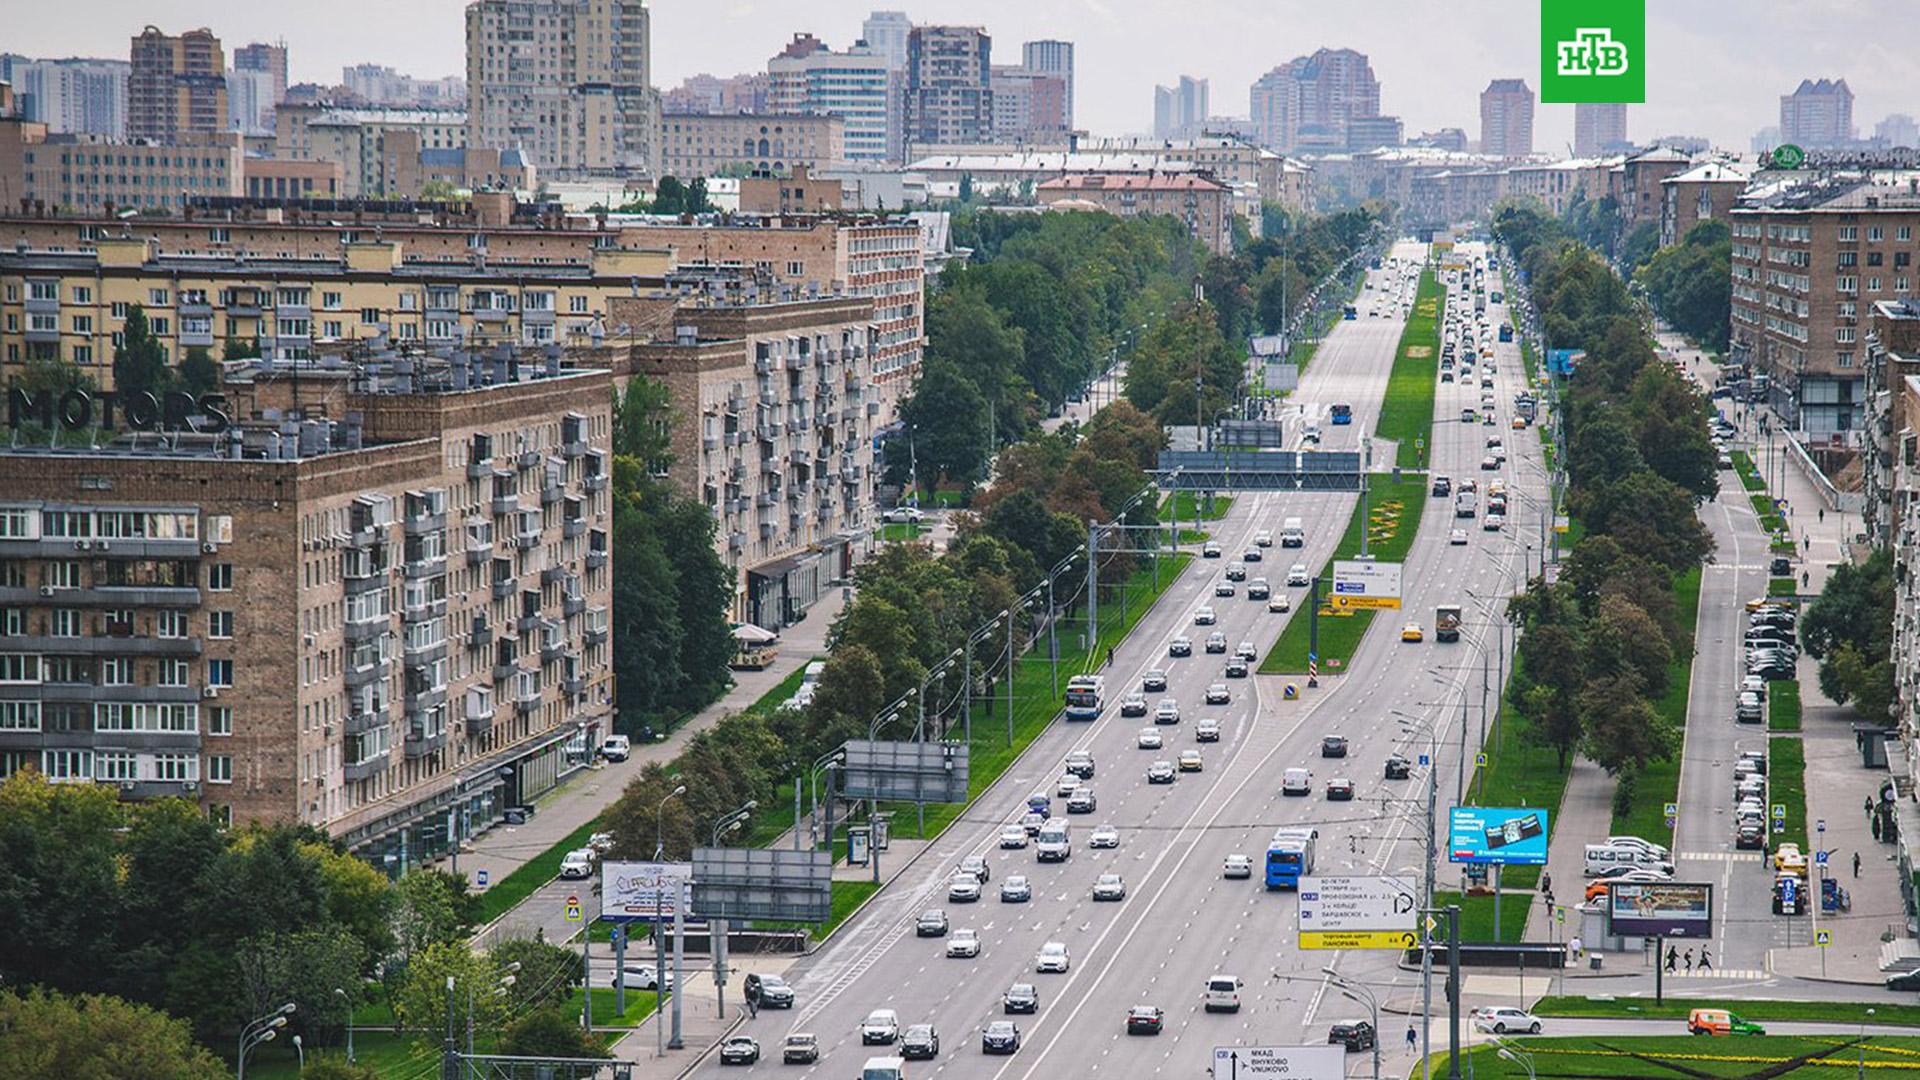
point(1782, 586)
point(1519, 772)
point(1787, 785)
point(1840, 1012)
point(1783, 705)
point(1681, 1056)
point(848, 895)
point(389, 1055)
point(1391, 537)
point(1406, 412)
point(900, 531)
point(1180, 506)
point(1659, 782)
point(1749, 472)
point(640, 1005)
point(1476, 914)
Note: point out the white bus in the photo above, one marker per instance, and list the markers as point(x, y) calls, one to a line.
point(1084, 694)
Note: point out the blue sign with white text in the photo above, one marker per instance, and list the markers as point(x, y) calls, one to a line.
point(1497, 836)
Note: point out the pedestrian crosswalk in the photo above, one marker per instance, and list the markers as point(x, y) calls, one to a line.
point(1719, 856)
point(1746, 974)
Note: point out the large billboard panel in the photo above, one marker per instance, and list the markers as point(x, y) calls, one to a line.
point(642, 891)
point(1364, 912)
point(904, 771)
point(1660, 908)
point(1363, 583)
point(1497, 836)
point(762, 883)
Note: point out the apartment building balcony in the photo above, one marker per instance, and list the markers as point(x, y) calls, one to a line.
point(372, 673)
point(491, 315)
point(136, 547)
point(113, 740)
point(202, 336)
point(43, 304)
point(769, 398)
point(505, 504)
point(573, 605)
point(424, 524)
point(596, 558)
point(763, 365)
point(420, 745)
point(572, 527)
point(104, 645)
point(595, 482)
point(528, 622)
point(426, 568)
point(364, 770)
point(84, 692)
point(574, 685)
point(594, 636)
point(552, 493)
point(158, 789)
point(504, 587)
point(480, 634)
point(368, 629)
point(426, 655)
point(525, 541)
point(553, 650)
point(552, 574)
point(527, 459)
point(243, 305)
point(736, 541)
point(104, 596)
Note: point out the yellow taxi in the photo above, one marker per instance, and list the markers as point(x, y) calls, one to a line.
point(1412, 632)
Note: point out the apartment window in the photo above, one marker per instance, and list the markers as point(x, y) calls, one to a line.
point(1902, 285)
point(795, 269)
point(330, 301)
point(115, 766)
point(219, 624)
point(330, 328)
point(1849, 258)
point(220, 577)
point(219, 720)
point(19, 716)
point(1843, 359)
point(576, 305)
point(369, 316)
point(63, 575)
point(43, 290)
point(119, 309)
point(1848, 234)
point(83, 294)
point(65, 622)
point(19, 668)
point(16, 523)
point(409, 302)
point(1846, 283)
point(1874, 234)
point(67, 764)
point(219, 768)
point(219, 673)
point(175, 767)
point(173, 672)
point(83, 354)
point(83, 324)
point(1843, 335)
point(157, 297)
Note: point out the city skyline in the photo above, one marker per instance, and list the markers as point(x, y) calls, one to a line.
point(1694, 52)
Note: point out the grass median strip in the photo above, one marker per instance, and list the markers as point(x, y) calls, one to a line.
point(1406, 412)
point(1783, 705)
point(1787, 786)
point(1476, 916)
point(1180, 506)
point(1391, 518)
point(1659, 782)
point(1838, 1012)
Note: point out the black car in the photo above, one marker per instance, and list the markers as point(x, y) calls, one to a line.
point(1781, 566)
point(1021, 998)
point(1080, 764)
point(768, 991)
point(1442, 487)
point(920, 1043)
point(1180, 646)
point(1236, 669)
point(1399, 768)
point(1357, 1035)
point(1333, 746)
point(1752, 836)
point(1144, 1020)
point(1154, 680)
point(932, 924)
point(1906, 980)
point(740, 1050)
point(1000, 1037)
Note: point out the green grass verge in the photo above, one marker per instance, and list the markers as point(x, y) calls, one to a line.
point(848, 895)
point(900, 532)
point(1749, 472)
point(1838, 1012)
point(1783, 705)
point(1781, 586)
point(1659, 783)
point(1180, 506)
point(387, 1054)
point(640, 1004)
point(1681, 1055)
point(1406, 412)
point(1787, 785)
point(1519, 772)
point(1341, 635)
point(1476, 914)
point(530, 875)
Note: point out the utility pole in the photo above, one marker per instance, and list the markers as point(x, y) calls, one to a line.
point(1093, 587)
point(1453, 995)
point(1009, 687)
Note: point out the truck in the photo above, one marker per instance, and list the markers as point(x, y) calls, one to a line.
point(1446, 622)
point(1293, 533)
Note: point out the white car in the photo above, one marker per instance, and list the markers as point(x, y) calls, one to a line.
point(882, 1025)
point(1203, 616)
point(1457, 537)
point(1263, 538)
point(963, 889)
point(1106, 836)
point(1238, 866)
point(1013, 836)
point(905, 515)
point(1207, 730)
point(1053, 959)
point(1297, 574)
point(1149, 739)
point(963, 944)
point(577, 863)
point(1109, 887)
point(643, 977)
point(1500, 1019)
point(1069, 783)
point(1280, 605)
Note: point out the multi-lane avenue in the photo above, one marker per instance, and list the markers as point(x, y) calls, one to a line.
point(1181, 920)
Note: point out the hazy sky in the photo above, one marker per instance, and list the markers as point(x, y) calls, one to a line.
point(1717, 67)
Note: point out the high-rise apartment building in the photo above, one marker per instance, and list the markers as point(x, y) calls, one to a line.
point(1028, 106)
point(568, 82)
point(356, 138)
point(271, 59)
point(177, 85)
point(705, 93)
point(1053, 58)
point(81, 95)
point(250, 101)
point(949, 94)
point(374, 84)
point(1817, 114)
point(1898, 129)
point(374, 599)
point(856, 85)
point(1180, 110)
point(1506, 118)
point(1810, 261)
point(886, 33)
point(1599, 129)
point(1308, 100)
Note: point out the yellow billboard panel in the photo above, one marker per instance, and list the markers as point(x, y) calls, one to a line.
point(1358, 939)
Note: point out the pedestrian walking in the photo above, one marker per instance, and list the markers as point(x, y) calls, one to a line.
point(1109, 656)
point(1579, 948)
point(1706, 960)
point(1688, 957)
point(1546, 883)
point(1805, 580)
point(1823, 513)
point(1868, 806)
point(1673, 957)
point(1856, 865)
point(1413, 1037)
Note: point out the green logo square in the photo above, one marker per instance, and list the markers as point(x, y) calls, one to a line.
point(1593, 51)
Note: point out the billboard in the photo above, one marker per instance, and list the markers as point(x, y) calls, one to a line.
point(1375, 912)
point(640, 891)
point(762, 883)
point(1660, 909)
point(1363, 583)
point(904, 771)
point(1497, 836)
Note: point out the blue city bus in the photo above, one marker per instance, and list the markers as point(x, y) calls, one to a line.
point(1341, 413)
point(1289, 857)
point(1084, 697)
point(1350, 312)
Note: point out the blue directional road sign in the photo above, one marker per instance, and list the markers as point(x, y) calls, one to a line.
point(1424, 760)
point(480, 877)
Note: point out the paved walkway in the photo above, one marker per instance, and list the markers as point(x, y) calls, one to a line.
point(581, 798)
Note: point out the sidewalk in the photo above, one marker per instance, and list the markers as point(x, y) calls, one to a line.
point(1585, 814)
point(581, 798)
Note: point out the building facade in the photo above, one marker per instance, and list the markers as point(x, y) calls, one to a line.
point(91, 173)
point(79, 96)
point(176, 85)
point(1180, 110)
point(1506, 118)
point(1307, 102)
point(1818, 114)
point(1810, 259)
point(1891, 476)
point(272, 178)
point(1641, 193)
point(358, 138)
point(856, 85)
point(698, 144)
point(1705, 192)
point(1054, 58)
point(1028, 106)
point(567, 82)
point(1204, 204)
point(949, 93)
point(774, 435)
point(270, 59)
point(377, 601)
point(1599, 129)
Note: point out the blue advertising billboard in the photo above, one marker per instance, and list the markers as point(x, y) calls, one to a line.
point(1497, 836)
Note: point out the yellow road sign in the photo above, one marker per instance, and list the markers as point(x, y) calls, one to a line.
point(1373, 603)
point(1358, 939)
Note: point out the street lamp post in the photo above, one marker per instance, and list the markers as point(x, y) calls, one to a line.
point(263, 1029)
point(1519, 1057)
point(728, 823)
point(348, 1002)
point(659, 931)
point(1352, 991)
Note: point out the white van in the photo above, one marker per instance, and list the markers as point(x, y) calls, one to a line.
point(1293, 533)
point(1296, 782)
point(1054, 843)
point(1310, 434)
point(884, 1068)
point(1222, 993)
point(1604, 857)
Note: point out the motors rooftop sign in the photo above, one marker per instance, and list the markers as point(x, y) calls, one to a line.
point(107, 409)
